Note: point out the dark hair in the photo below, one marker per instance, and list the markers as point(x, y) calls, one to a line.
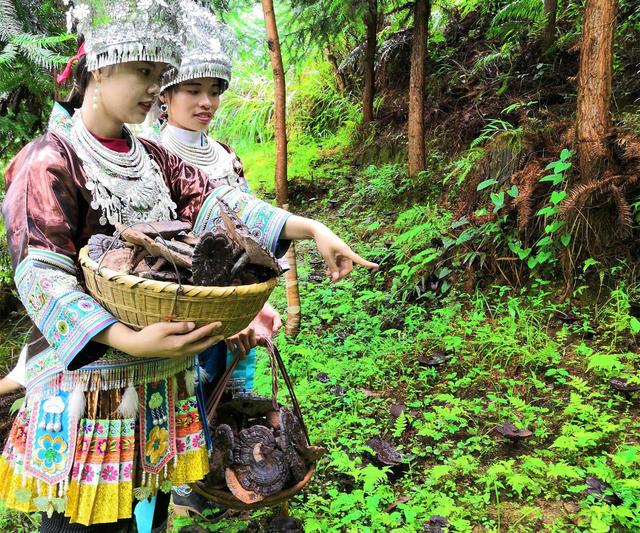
point(80, 79)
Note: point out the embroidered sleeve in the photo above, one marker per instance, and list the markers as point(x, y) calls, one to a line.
point(66, 316)
point(41, 216)
point(264, 221)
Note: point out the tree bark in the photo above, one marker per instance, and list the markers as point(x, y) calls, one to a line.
point(282, 195)
point(417, 156)
point(549, 33)
point(341, 82)
point(594, 86)
point(371, 23)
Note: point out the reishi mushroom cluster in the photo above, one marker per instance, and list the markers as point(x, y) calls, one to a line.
point(170, 251)
point(258, 453)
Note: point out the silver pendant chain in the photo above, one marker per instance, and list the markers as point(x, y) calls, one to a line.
point(212, 158)
point(127, 187)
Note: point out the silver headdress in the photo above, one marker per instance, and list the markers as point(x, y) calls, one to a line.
point(208, 44)
point(119, 31)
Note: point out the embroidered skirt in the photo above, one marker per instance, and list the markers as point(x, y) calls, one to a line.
point(92, 467)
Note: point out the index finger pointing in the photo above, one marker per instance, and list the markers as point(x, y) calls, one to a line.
point(360, 260)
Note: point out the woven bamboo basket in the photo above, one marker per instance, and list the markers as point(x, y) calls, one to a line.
point(223, 496)
point(139, 302)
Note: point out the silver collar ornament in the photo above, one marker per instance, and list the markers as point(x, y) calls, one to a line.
point(208, 155)
point(119, 31)
point(207, 49)
point(126, 187)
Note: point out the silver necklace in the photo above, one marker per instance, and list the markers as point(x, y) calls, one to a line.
point(212, 158)
point(127, 187)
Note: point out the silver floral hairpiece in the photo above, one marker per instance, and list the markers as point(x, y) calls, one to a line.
point(119, 31)
point(207, 49)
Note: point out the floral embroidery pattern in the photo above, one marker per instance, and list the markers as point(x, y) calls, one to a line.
point(51, 454)
point(157, 445)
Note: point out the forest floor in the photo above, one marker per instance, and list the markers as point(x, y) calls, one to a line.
point(434, 377)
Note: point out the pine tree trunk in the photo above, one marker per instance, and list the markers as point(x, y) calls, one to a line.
point(282, 195)
point(549, 33)
point(371, 23)
point(341, 82)
point(417, 157)
point(594, 86)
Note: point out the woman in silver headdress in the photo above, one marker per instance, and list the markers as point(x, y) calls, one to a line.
point(189, 99)
point(111, 413)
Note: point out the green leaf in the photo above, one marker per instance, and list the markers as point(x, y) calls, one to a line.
point(485, 184)
point(557, 197)
point(16, 405)
point(373, 226)
point(444, 272)
point(545, 241)
point(513, 192)
point(543, 257)
point(555, 179)
point(547, 211)
point(565, 154)
point(554, 226)
point(497, 199)
point(41, 503)
point(589, 263)
point(558, 166)
point(634, 325)
point(59, 504)
point(565, 239)
point(532, 262)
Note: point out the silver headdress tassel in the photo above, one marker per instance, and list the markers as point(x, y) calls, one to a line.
point(119, 31)
point(207, 50)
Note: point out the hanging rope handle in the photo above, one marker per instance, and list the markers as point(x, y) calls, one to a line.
point(276, 364)
point(117, 235)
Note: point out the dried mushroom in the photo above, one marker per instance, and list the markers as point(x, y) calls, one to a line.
point(512, 432)
point(167, 229)
point(155, 249)
point(100, 243)
point(240, 233)
point(270, 449)
point(225, 257)
point(221, 457)
point(118, 259)
point(385, 453)
point(213, 259)
point(267, 474)
point(623, 385)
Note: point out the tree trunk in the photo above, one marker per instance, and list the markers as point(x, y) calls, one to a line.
point(371, 23)
point(594, 86)
point(417, 158)
point(282, 195)
point(341, 82)
point(549, 33)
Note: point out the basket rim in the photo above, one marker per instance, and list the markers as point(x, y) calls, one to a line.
point(169, 287)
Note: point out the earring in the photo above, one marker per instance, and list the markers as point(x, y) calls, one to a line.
point(164, 108)
point(96, 92)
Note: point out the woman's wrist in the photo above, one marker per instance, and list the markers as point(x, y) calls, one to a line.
point(298, 228)
point(120, 337)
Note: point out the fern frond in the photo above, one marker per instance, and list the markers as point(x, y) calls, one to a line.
point(8, 54)
point(9, 24)
point(519, 10)
point(33, 49)
point(625, 213)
